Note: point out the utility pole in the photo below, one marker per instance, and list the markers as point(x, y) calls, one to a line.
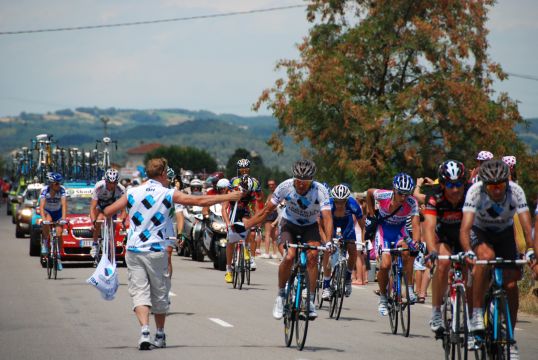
point(105, 121)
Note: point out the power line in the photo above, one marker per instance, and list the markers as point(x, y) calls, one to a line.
point(135, 23)
point(523, 76)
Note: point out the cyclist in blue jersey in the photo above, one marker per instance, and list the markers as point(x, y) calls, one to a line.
point(53, 207)
point(305, 200)
point(346, 212)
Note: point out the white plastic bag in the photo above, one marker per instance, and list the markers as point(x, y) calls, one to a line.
point(105, 276)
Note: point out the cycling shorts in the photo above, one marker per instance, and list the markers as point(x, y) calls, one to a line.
point(55, 215)
point(289, 232)
point(450, 236)
point(503, 242)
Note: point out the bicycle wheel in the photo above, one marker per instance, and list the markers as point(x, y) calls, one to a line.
point(301, 316)
point(289, 310)
point(334, 290)
point(319, 284)
point(392, 302)
point(459, 330)
point(447, 321)
point(48, 259)
point(242, 267)
point(247, 271)
point(341, 289)
point(405, 305)
point(235, 264)
point(503, 341)
point(55, 259)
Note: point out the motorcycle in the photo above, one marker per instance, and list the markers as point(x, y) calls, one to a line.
point(193, 227)
point(215, 238)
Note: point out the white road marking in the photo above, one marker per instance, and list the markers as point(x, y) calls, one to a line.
point(221, 322)
point(171, 294)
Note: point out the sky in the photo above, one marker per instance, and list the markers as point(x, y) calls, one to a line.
point(216, 64)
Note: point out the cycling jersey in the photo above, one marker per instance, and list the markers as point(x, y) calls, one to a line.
point(493, 216)
point(302, 209)
point(150, 207)
point(346, 223)
point(243, 206)
point(391, 229)
point(53, 202)
point(105, 197)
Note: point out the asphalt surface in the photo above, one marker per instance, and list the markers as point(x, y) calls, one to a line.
point(67, 319)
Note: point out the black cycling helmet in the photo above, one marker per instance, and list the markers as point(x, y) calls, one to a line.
point(494, 172)
point(243, 164)
point(304, 169)
point(247, 183)
point(451, 171)
point(340, 192)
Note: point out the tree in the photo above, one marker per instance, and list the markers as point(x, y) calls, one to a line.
point(188, 158)
point(393, 85)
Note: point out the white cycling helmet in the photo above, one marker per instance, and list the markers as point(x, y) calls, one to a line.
point(112, 175)
point(484, 155)
point(340, 192)
point(197, 183)
point(223, 184)
point(510, 161)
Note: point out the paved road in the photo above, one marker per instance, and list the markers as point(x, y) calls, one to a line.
point(67, 319)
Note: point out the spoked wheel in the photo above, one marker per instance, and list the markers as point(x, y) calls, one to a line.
point(392, 304)
point(502, 345)
point(235, 263)
point(50, 263)
point(247, 271)
point(289, 311)
point(341, 290)
point(319, 286)
point(301, 316)
point(242, 268)
point(458, 332)
point(447, 316)
point(334, 290)
point(405, 305)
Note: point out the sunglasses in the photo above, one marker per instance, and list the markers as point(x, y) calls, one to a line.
point(451, 185)
point(499, 186)
point(55, 183)
point(303, 181)
point(402, 193)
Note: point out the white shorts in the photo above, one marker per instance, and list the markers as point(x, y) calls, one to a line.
point(149, 281)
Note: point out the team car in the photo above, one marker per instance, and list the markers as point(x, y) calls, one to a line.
point(26, 209)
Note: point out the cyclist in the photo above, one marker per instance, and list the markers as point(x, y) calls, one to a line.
point(394, 207)
point(104, 193)
point(480, 159)
point(346, 212)
point(305, 200)
point(249, 205)
point(442, 221)
point(53, 207)
point(487, 230)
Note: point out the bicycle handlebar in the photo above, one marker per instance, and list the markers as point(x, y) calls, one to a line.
point(395, 250)
point(501, 261)
point(61, 222)
point(306, 246)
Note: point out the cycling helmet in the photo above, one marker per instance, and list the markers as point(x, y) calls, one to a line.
point(493, 172)
point(340, 192)
point(223, 184)
point(170, 173)
point(451, 171)
point(403, 183)
point(243, 163)
point(112, 175)
point(247, 183)
point(484, 155)
point(304, 169)
point(510, 161)
point(197, 183)
point(53, 177)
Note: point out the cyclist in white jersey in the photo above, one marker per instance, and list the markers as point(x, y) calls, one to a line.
point(104, 193)
point(487, 230)
point(53, 207)
point(150, 209)
point(305, 200)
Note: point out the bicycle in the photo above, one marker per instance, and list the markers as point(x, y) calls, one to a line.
point(53, 253)
point(319, 282)
point(455, 311)
point(297, 297)
point(398, 303)
point(499, 333)
point(241, 267)
point(338, 278)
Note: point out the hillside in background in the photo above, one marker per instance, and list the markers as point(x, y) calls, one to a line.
point(218, 134)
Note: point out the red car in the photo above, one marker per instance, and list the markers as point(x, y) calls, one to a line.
point(78, 234)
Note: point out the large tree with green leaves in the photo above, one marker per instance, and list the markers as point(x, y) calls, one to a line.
point(188, 158)
point(394, 85)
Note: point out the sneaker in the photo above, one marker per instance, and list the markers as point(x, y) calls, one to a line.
point(44, 250)
point(228, 277)
point(265, 256)
point(382, 308)
point(514, 352)
point(312, 314)
point(472, 344)
point(477, 322)
point(258, 252)
point(278, 309)
point(93, 250)
point(59, 266)
point(327, 293)
point(144, 342)
point(160, 340)
point(252, 265)
point(436, 322)
point(412, 297)
point(349, 288)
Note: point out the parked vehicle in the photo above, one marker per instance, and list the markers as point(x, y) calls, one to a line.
point(26, 209)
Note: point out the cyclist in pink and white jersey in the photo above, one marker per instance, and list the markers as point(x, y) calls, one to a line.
point(394, 206)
